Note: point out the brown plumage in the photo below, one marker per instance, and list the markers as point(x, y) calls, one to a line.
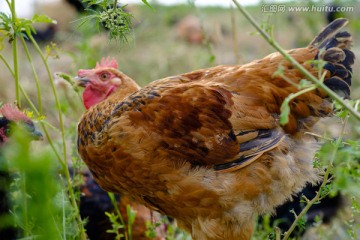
point(206, 147)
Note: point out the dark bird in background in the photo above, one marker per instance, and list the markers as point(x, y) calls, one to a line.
point(206, 147)
point(10, 115)
point(47, 32)
point(94, 202)
point(45, 35)
point(77, 4)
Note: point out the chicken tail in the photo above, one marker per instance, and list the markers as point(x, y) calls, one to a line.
point(334, 48)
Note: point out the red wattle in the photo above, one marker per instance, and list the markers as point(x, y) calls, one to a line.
point(92, 97)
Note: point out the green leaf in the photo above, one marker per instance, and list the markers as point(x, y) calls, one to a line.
point(37, 191)
point(6, 19)
point(131, 215)
point(304, 83)
point(355, 205)
point(279, 71)
point(147, 4)
point(37, 18)
point(212, 58)
point(285, 111)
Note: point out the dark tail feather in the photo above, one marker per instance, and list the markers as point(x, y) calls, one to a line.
point(334, 48)
point(328, 32)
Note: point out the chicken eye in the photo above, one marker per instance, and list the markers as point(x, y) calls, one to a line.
point(104, 76)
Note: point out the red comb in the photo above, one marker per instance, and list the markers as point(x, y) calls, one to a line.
point(13, 113)
point(107, 62)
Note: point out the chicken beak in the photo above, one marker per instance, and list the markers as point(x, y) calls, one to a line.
point(81, 81)
point(37, 135)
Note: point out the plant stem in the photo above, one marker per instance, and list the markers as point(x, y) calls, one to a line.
point(277, 233)
point(7, 65)
point(35, 110)
point(42, 124)
point(37, 82)
point(116, 207)
point(306, 73)
point(21, 88)
point(284, 115)
point(325, 138)
point(63, 163)
point(15, 55)
point(8, 3)
point(62, 129)
point(325, 181)
point(29, 100)
point(129, 216)
point(234, 35)
point(64, 214)
point(58, 106)
point(305, 90)
point(206, 39)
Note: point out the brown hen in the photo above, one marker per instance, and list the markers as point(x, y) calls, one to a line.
point(95, 202)
point(206, 147)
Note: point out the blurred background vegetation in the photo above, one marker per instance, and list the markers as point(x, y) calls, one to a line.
point(164, 41)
